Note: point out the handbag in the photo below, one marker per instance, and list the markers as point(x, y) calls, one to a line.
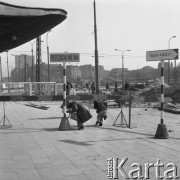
point(73, 116)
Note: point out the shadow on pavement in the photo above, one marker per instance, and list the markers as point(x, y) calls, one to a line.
point(120, 139)
point(51, 129)
point(99, 127)
point(75, 142)
point(46, 118)
point(73, 127)
point(151, 136)
point(122, 130)
point(19, 130)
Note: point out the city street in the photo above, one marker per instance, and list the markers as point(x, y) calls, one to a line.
point(86, 58)
point(34, 148)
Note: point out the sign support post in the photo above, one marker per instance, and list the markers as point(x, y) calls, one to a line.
point(162, 92)
point(64, 125)
point(162, 132)
point(64, 57)
point(161, 55)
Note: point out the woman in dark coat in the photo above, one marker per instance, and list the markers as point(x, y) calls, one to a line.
point(83, 114)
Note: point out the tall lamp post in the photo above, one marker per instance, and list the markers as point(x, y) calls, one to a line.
point(19, 70)
point(169, 65)
point(25, 69)
point(7, 65)
point(122, 52)
point(48, 54)
point(96, 51)
point(1, 70)
point(32, 73)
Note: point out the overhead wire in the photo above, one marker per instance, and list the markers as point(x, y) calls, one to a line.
point(78, 42)
point(90, 54)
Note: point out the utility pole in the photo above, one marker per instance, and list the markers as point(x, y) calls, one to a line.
point(38, 62)
point(32, 73)
point(169, 63)
point(25, 69)
point(1, 86)
point(12, 77)
point(19, 70)
point(28, 76)
point(48, 54)
point(137, 76)
point(122, 65)
point(96, 51)
point(1, 70)
point(7, 65)
point(38, 59)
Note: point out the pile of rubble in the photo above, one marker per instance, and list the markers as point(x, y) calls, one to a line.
point(151, 97)
point(176, 96)
point(145, 105)
point(151, 94)
point(172, 108)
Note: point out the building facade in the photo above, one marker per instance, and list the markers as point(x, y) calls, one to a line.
point(21, 60)
point(73, 73)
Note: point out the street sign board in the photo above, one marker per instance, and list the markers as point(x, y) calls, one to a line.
point(64, 57)
point(169, 54)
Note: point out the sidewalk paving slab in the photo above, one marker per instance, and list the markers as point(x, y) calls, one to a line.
point(34, 148)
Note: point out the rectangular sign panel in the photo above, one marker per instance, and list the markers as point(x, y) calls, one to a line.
point(169, 54)
point(64, 57)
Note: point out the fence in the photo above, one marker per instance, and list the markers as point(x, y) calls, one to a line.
point(30, 88)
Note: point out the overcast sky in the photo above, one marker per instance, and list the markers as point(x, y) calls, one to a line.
point(137, 25)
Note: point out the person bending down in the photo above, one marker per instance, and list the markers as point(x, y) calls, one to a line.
point(101, 110)
point(82, 113)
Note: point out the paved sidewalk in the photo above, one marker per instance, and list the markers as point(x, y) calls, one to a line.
point(34, 148)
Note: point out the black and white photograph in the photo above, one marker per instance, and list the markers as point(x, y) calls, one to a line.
point(89, 89)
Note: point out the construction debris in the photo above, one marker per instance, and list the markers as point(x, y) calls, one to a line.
point(173, 108)
point(176, 96)
point(150, 97)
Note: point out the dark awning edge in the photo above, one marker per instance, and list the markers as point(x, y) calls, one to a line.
point(31, 8)
point(19, 24)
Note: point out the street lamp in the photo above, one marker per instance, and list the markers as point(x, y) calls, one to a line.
point(169, 68)
point(1, 71)
point(122, 52)
point(12, 78)
point(7, 65)
point(96, 51)
point(48, 53)
point(32, 77)
point(25, 68)
point(170, 40)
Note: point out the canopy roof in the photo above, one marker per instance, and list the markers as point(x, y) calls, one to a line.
point(19, 24)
